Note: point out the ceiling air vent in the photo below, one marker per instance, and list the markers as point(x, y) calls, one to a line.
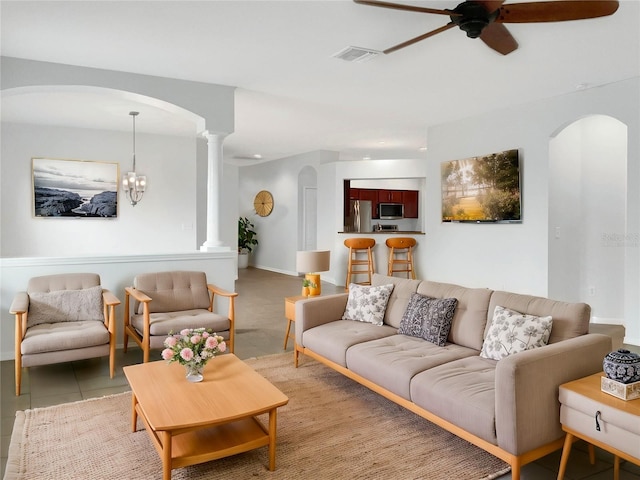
point(356, 54)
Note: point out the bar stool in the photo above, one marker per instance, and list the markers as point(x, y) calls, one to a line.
point(402, 246)
point(359, 246)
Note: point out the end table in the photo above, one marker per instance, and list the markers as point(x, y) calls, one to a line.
point(600, 419)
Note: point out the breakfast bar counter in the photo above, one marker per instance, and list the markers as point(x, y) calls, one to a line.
point(383, 232)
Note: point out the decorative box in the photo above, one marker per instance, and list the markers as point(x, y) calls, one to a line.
point(625, 391)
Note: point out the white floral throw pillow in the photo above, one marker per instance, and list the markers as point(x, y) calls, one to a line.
point(367, 304)
point(512, 332)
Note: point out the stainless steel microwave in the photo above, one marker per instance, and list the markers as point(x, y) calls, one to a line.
point(391, 211)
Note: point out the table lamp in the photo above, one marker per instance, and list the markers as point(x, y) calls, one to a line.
point(313, 261)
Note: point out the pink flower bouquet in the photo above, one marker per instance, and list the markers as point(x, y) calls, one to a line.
point(193, 347)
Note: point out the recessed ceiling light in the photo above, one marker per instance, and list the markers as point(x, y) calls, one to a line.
point(423, 149)
point(367, 157)
point(257, 156)
point(582, 86)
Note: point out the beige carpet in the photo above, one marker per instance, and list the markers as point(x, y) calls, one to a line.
point(331, 428)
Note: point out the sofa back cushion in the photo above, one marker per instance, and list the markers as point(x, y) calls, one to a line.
point(570, 320)
point(62, 281)
point(400, 296)
point(173, 291)
point(470, 318)
point(67, 297)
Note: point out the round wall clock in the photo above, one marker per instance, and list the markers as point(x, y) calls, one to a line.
point(263, 203)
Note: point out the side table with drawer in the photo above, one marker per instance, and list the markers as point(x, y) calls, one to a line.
point(600, 419)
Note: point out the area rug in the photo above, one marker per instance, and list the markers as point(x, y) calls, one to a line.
point(332, 427)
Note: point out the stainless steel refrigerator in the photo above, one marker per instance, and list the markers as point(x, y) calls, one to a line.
point(359, 218)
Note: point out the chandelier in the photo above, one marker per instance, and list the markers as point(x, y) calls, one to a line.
point(132, 183)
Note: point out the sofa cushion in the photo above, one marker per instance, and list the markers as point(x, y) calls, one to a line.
point(391, 362)
point(428, 318)
point(162, 323)
point(367, 303)
point(512, 332)
point(65, 306)
point(400, 296)
point(331, 340)
point(570, 320)
point(173, 291)
point(470, 317)
point(55, 337)
point(461, 392)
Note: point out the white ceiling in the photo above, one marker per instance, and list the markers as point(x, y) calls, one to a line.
point(293, 96)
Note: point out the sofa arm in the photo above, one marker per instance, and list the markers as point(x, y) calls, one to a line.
point(527, 386)
point(316, 311)
point(20, 303)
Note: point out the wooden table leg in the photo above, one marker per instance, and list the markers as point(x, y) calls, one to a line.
point(286, 335)
point(616, 467)
point(166, 455)
point(592, 454)
point(134, 413)
point(272, 438)
point(566, 450)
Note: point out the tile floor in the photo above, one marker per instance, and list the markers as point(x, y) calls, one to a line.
point(260, 331)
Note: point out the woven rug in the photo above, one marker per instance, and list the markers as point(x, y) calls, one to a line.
point(332, 427)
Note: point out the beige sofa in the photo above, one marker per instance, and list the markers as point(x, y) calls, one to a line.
point(509, 407)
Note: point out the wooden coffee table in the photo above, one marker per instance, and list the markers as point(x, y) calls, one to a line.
point(191, 423)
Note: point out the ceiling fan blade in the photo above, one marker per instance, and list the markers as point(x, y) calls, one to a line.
point(421, 37)
point(409, 8)
point(559, 11)
point(497, 36)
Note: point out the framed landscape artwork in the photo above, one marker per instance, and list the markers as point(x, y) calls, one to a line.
point(74, 188)
point(482, 189)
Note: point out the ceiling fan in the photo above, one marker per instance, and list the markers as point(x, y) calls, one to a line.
point(485, 18)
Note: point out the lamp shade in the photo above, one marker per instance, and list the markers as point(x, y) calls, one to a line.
point(313, 261)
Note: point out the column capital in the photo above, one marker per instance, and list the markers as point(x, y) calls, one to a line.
point(209, 135)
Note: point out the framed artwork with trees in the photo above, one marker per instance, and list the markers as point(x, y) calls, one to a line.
point(482, 189)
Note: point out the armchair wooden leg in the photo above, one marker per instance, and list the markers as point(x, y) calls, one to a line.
point(125, 342)
point(18, 365)
point(112, 361)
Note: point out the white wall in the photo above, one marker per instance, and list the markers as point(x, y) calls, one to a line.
point(278, 233)
point(164, 221)
point(515, 257)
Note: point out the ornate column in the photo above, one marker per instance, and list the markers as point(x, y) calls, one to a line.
point(214, 193)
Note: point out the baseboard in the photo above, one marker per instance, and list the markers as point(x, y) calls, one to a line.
point(608, 320)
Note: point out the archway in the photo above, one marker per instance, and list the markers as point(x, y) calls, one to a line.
point(587, 215)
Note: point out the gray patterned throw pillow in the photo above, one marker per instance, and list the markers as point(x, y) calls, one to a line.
point(512, 332)
point(367, 304)
point(428, 318)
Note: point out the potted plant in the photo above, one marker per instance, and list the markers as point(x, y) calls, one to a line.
point(306, 286)
point(246, 241)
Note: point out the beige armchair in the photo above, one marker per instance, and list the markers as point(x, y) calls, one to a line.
point(167, 302)
point(62, 318)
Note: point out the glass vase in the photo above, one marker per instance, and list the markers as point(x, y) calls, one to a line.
point(194, 373)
